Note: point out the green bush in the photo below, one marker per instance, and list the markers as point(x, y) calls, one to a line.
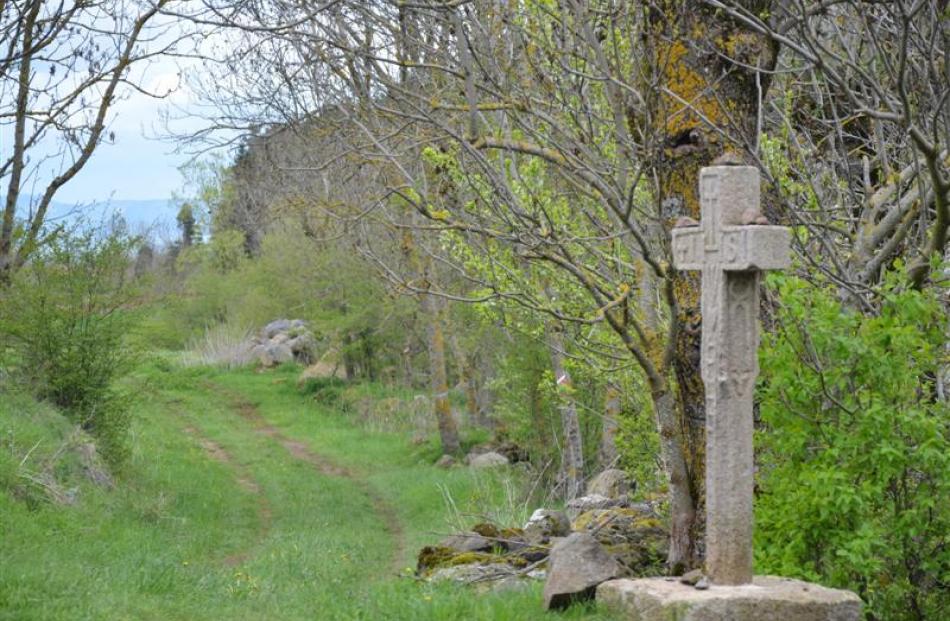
point(325, 390)
point(854, 473)
point(64, 317)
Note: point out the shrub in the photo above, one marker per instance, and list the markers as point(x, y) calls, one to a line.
point(65, 315)
point(327, 391)
point(854, 471)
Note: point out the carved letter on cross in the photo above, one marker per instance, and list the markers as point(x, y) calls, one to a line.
point(731, 255)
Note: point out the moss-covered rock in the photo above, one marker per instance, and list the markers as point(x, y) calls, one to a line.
point(532, 554)
point(431, 557)
point(635, 538)
point(434, 557)
point(468, 542)
point(487, 529)
point(469, 558)
point(512, 533)
point(545, 524)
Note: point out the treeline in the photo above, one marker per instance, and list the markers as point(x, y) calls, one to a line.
point(534, 156)
point(529, 159)
point(482, 194)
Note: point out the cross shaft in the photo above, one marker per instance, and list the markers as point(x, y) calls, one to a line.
point(731, 256)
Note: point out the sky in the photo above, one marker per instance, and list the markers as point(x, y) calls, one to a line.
point(139, 166)
point(134, 172)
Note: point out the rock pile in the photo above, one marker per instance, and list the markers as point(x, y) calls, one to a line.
point(623, 539)
point(488, 555)
point(284, 340)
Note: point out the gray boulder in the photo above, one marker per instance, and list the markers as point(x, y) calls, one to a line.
point(488, 577)
point(271, 355)
point(634, 537)
point(490, 459)
point(304, 347)
point(467, 542)
point(259, 353)
point(612, 483)
point(577, 565)
point(584, 504)
point(276, 327)
point(545, 524)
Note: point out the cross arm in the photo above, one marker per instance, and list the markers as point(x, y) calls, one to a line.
point(746, 248)
point(733, 249)
point(688, 248)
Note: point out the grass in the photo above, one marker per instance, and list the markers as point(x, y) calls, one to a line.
point(214, 518)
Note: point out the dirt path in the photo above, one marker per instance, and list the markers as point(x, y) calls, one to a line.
point(244, 478)
point(322, 464)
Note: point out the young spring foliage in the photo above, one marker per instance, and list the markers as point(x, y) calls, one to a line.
point(64, 317)
point(854, 448)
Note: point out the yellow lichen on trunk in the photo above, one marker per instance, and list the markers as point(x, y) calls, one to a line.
point(707, 105)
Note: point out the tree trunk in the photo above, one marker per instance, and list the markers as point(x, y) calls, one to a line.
point(349, 364)
point(448, 433)
point(682, 504)
point(572, 458)
point(608, 438)
point(467, 368)
point(708, 105)
point(408, 374)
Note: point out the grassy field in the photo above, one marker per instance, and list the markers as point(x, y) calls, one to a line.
point(243, 500)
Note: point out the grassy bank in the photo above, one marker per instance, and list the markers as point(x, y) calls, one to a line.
point(243, 500)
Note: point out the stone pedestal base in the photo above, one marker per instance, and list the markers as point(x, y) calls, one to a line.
point(767, 599)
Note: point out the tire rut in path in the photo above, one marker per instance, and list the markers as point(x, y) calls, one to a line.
point(324, 465)
point(244, 478)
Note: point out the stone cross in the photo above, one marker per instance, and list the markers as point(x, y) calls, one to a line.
point(731, 251)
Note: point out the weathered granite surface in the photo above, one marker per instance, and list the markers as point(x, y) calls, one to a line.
point(767, 598)
point(578, 563)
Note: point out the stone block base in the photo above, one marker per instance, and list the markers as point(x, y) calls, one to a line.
point(766, 599)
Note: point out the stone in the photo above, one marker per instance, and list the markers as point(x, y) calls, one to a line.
point(767, 598)
point(276, 327)
point(530, 554)
point(281, 337)
point(446, 461)
point(302, 339)
point(577, 506)
point(692, 577)
point(467, 542)
point(545, 524)
point(490, 459)
point(634, 537)
point(274, 355)
point(474, 572)
point(750, 215)
point(304, 347)
point(327, 366)
point(685, 221)
point(492, 577)
point(612, 483)
point(434, 557)
point(576, 566)
point(259, 353)
point(731, 253)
